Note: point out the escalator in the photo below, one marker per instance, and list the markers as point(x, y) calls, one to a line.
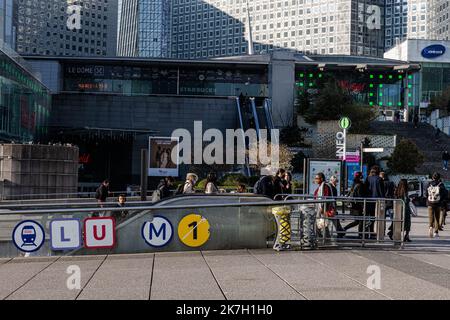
point(255, 113)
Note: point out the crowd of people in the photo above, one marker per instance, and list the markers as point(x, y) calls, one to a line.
point(376, 186)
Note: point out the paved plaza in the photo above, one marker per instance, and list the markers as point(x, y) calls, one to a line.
point(420, 271)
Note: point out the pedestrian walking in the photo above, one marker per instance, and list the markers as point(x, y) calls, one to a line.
point(437, 134)
point(416, 120)
point(334, 193)
point(287, 183)
point(265, 186)
point(278, 186)
point(375, 190)
point(436, 195)
point(357, 207)
point(189, 184)
point(211, 184)
point(401, 192)
point(120, 215)
point(163, 190)
point(324, 211)
point(101, 194)
point(445, 159)
point(389, 192)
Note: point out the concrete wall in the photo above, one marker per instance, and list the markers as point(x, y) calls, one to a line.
point(162, 114)
point(37, 169)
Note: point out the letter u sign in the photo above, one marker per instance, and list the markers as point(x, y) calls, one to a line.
point(99, 233)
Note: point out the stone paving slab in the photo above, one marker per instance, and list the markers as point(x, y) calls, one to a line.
point(395, 284)
point(441, 260)
point(412, 267)
point(312, 279)
point(121, 277)
point(17, 272)
point(51, 283)
point(241, 276)
point(183, 276)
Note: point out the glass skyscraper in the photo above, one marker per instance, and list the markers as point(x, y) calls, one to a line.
point(144, 28)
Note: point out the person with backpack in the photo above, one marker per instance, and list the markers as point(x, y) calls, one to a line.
point(436, 195)
point(211, 184)
point(265, 186)
point(102, 192)
point(163, 189)
point(357, 207)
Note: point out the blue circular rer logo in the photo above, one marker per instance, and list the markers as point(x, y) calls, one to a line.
point(28, 236)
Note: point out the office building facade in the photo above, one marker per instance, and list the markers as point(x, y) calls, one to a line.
point(215, 28)
point(43, 27)
point(8, 22)
point(144, 28)
point(439, 26)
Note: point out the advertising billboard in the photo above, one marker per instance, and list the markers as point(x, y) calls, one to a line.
point(161, 163)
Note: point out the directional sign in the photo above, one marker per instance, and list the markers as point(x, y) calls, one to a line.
point(28, 236)
point(158, 232)
point(373, 149)
point(65, 234)
point(345, 123)
point(99, 233)
point(193, 230)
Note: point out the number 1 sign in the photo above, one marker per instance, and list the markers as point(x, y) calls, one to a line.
point(193, 230)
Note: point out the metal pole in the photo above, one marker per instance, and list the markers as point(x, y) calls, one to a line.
point(361, 158)
point(144, 174)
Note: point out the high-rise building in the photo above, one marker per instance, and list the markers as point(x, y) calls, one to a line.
point(439, 15)
point(8, 22)
point(212, 28)
point(144, 28)
point(396, 21)
point(43, 27)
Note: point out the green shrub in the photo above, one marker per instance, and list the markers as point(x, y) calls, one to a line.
point(406, 157)
point(201, 184)
point(232, 179)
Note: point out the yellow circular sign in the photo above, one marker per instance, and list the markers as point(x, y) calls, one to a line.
point(193, 230)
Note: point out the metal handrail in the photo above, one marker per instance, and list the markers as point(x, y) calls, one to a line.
point(30, 196)
point(168, 207)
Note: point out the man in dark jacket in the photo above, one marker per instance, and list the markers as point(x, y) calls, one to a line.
point(389, 190)
point(278, 183)
point(375, 189)
point(436, 195)
point(101, 194)
point(267, 186)
point(164, 187)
